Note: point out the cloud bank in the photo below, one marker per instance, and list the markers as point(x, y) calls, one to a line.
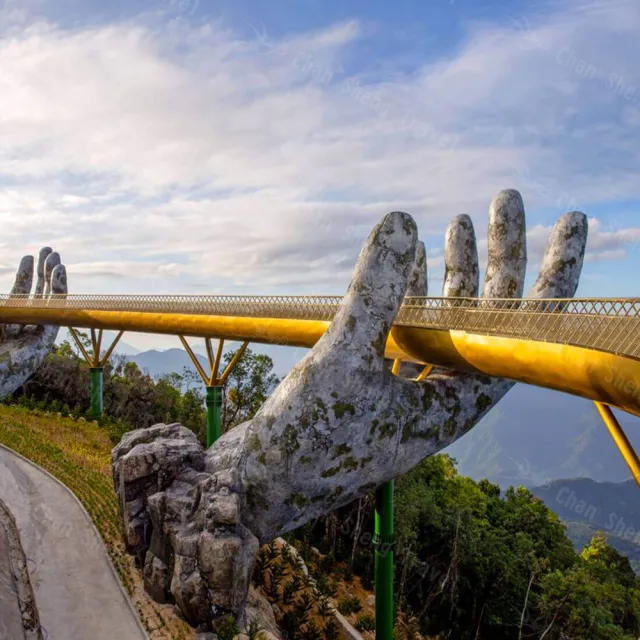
point(159, 156)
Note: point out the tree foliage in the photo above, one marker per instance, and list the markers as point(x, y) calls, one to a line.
point(250, 383)
point(133, 399)
point(472, 562)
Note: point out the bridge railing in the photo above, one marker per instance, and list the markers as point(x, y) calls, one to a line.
point(605, 324)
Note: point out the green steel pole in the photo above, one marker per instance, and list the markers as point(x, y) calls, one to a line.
point(96, 391)
point(214, 414)
point(384, 562)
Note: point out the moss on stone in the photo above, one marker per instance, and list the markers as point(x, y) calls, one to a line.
point(450, 427)
point(253, 443)
point(482, 402)
point(329, 473)
point(341, 408)
point(341, 450)
point(298, 500)
point(289, 441)
point(350, 464)
point(387, 430)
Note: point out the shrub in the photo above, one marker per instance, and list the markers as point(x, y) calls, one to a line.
point(227, 629)
point(311, 632)
point(331, 631)
point(349, 605)
point(345, 572)
point(324, 607)
point(253, 629)
point(326, 563)
point(365, 622)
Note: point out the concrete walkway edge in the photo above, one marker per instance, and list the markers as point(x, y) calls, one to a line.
point(93, 526)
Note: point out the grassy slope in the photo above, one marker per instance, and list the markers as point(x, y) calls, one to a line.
point(79, 454)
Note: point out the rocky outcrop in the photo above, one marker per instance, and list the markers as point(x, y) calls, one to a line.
point(182, 523)
point(339, 425)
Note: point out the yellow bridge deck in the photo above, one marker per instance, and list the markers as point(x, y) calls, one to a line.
point(586, 347)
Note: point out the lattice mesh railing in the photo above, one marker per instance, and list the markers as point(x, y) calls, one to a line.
point(606, 324)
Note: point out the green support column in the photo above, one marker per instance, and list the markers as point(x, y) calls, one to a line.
point(214, 414)
point(96, 391)
point(384, 562)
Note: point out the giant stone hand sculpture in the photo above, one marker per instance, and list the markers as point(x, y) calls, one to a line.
point(22, 349)
point(339, 424)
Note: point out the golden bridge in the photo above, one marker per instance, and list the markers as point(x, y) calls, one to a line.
point(585, 347)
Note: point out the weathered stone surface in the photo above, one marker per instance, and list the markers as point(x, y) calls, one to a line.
point(156, 578)
point(461, 272)
point(507, 240)
point(338, 425)
point(259, 611)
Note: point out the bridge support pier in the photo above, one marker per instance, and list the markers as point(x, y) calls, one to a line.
point(621, 440)
point(96, 365)
point(213, 383)
point(384, 543)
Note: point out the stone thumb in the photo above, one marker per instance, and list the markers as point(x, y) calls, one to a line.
point(377, 289)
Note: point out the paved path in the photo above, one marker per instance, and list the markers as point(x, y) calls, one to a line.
point(76, 591)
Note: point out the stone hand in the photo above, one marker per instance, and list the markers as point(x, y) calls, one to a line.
point(339, 425)
point(22, 349)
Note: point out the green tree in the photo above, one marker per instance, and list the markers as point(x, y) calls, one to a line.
point(250, 383)
point(598, 597)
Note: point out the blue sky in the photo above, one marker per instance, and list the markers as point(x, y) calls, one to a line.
point(190, 146)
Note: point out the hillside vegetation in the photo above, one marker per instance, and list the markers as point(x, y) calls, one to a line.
point(472, 561)
point(587, 506)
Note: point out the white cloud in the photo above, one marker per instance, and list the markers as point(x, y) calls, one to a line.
point(182, 158)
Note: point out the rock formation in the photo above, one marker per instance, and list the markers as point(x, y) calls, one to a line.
point(339, 425)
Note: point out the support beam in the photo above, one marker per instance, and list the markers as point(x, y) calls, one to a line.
point(216, 363)
point(428, 368)
point(395, 369)
point(384, 562)
point(98, 346)
point(234, 361)
point(196, 363)
point(207, 342)
point(90, 361)
point(109, 351)
point(621, 440)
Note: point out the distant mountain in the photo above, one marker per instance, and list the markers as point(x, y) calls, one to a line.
point(122, 348)
point(610, 506)
point(534, 435)
point(587, 506)
point(158, 363)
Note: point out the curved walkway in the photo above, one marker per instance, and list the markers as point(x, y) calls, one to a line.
point(76, 590)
